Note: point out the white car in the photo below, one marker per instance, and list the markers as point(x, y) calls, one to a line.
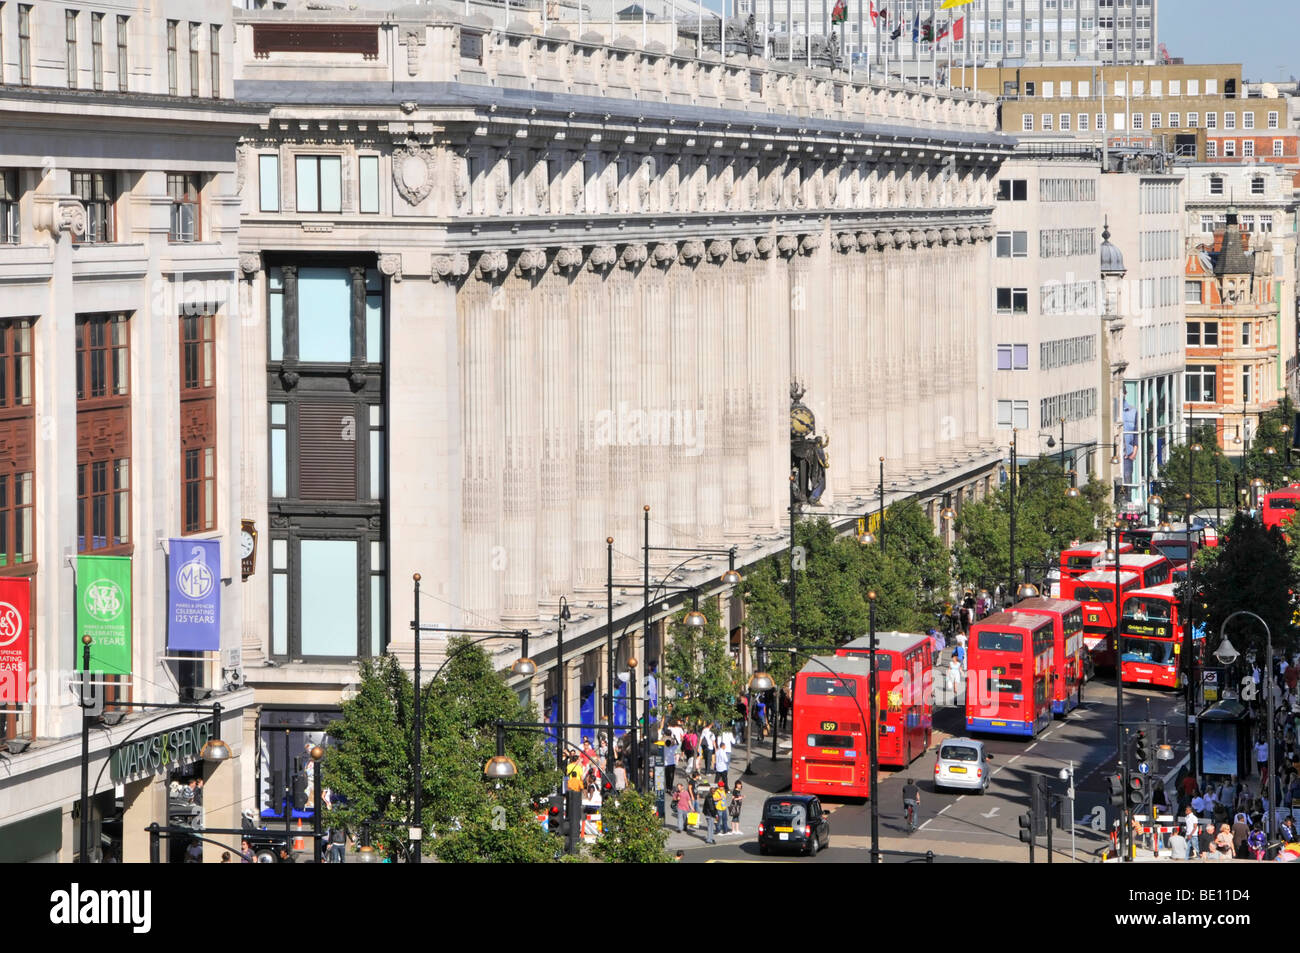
point(961, 763)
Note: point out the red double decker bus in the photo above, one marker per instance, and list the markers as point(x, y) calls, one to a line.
point(830, 754)
point(1067, 649)
point(905, 684)
point(1084, 557)
point(1153, 568)
point(1009, 674)
point(1279, 506)
point(1151, 637)
point(1096, 592)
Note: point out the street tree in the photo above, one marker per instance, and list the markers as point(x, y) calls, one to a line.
point(1251, 569)
point(1210, 476)
point(700, 673)
point(465, 817)
point(1270, 457)
point(631, 831)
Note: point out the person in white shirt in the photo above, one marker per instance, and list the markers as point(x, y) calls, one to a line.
point(708, 744)
point(722, 762)
point(1191, 824)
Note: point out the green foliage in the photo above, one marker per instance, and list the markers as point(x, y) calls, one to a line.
point(1251, 569)
point(1207, 465)
point(907, 568)
point(465, 817)
point(701, 674)
point(632, 831)
point(1047, 521)
point(1276, 468)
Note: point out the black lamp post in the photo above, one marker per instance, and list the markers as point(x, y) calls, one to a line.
point(317, 753)
point(1120, 749)
point(1269, 686)
point(1012, 490)
point(559, 667)
point(522, 666)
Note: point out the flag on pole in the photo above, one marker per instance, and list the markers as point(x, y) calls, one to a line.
point(875, 14)
point(950, 4)
point(959, 30)
point(916, 28)
point(840, 12)
point(943, 31)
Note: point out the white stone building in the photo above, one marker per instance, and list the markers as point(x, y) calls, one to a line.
point(508, 289)
point(122, 387)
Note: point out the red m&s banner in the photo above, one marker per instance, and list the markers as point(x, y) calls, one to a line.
point(15, 638)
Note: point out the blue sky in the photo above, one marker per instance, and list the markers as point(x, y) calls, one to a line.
point(1259, 34)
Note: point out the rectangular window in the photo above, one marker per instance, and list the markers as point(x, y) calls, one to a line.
point(98, 193)
point(214, 56)
point(1083, 122)
point(279, 450)
point(1175, 120)
point(1272, 120)
point(1027, 122)
point(368, 169)
point(1229, 121)
point(1013, 300)
point(328, 602)
point(1193, 120)
point(1193, 291)
point(1212, 120)
point(1211, 149)
point(320, 183)
point(123, 63)
point(97, 49)
point(1229, 147)
point(1201, 384)
point(1248, 148)
point(1137, 120)
point(103, 433)
point(1047, 122)
point(1247, 380)
point(172, 78)
point(1278, 147)
point(198, 423)
point(1245, 334)
point(70, 29)
point(10, 220)
point(1004, 357)
point(1202, 334)
point(194, 58)
point(1247, 120)
point(1013, 244)
point(1013, 190)
point(1216, 185)
point(268, 182)
point(1193, 87)
point(17, 458)
point(25, 44)
point(183, 187)
point(1005, 413)
point(1266, 223)
point(1065, 122)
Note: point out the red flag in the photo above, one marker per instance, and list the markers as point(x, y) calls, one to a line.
point(15, 638)
point(875, 14)
point(840, 13)
point(959, 30)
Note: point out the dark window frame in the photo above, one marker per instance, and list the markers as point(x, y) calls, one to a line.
point(98, 192)
point(198, 422)
point(104, 434)
point(185, 189)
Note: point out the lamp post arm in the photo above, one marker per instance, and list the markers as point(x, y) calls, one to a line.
point(521, 634)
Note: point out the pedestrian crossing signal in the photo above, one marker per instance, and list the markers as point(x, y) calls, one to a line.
point(1115, 787)
point(1137, 791)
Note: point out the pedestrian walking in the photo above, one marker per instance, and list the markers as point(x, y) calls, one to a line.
point(708, 745)
point(1257, 842)
point(954, 677)
point(671, 749)
point(710, 818)
point(682, 806)
point(1261, 756)
point(737, 801)
point(784, 705)
point(722, 762)
point(338, 841)
point(1191, 830)
point(721, 805)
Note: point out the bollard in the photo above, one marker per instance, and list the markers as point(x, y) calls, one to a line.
point(929, 857)
point(155, 838)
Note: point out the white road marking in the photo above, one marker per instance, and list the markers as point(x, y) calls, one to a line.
point(1032, 747)
point(945, 808)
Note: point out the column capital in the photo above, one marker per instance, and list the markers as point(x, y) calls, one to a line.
point(665, 253)
point(531, 261)
point(391, 265)
point(492, 263)
point(602, 257)
point(449, 267)
point(692, 251)
point(250, 263)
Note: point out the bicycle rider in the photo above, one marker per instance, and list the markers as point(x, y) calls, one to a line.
point(911, 801)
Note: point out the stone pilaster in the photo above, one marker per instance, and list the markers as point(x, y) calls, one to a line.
point(521, 397)
point(683, 399)
point(711, 341)
point(557, 369)
point(735, 394)
point(659, 429)
point(588, 299)
point(762, 345)
point(625, 389)
point(481, 462)
point(913, 275)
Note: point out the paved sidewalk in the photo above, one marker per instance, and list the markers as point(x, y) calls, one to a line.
point(767, 779)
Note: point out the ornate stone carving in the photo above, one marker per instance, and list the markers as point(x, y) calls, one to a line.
point(413, 176)
point(963, 235)
point(917, 237)
point(787, 245)
point(602, 257)
point(719, 250)
point(948, 235)
point(643, 190)
point(611, 191)
point(810, 243)
point(634, 256)
point(542, 188)
point(692, 251)
point(492, 263)
point(932, 236)
point(412, 39)
point(531, 261)
point(848, 241)
point(568, 258)
point(576, 195)
point(902, 239)
point(459, 180)
point(986, 233)
point(743, 249)
point(866, 240)
point(702, 189)
point(242, 152)
point(391, 265)
point(502, 183)
point(765, 246)
point(250, 263)
point(665, 254)
point(450, 267)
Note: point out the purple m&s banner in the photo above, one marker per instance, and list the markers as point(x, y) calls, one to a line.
point(194, 595)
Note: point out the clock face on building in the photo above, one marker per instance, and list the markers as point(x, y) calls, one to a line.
point(246, 544)
point(247, 548)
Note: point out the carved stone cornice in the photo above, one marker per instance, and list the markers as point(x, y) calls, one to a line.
point(787, 245)
point(846, 242)
point(568, 258)
point(742, 249)
point(449, 267)
point(809, 244)
point(692, 251)
point(884, 240)
point(492, 263)
point(413, 172)
point(665, 253)
point(917, 237)
point(866, 240)
point(765, 246)
point(531, 261)
point(963, 235)
point(391, 265)
point(949, 235)
point(902, 238)
point(932, 236)
point(602, 258)
point(719, 251)
point(634, 256)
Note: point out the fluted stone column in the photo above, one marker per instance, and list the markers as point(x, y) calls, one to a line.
point(913, 275)
point(712, 344)
point(735, 396)
point(590, 302)
point(974, 306)
point(684, 399)
point(926, 346)
point(558, 436)
point(521, 397)
point(480, 417)
point(876, 366)
point(783, 329)
point(860, 360)
point(982, 345)
point(661, 429)
point(762, 346)
point(840, 358)
point(625, 390)
point(895, 342)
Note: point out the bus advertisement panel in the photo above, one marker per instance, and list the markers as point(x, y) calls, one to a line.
point(1096, 592)
point(830, 753)
point(906, 686)
point(1067, 650)
point(1151, 637)
point(1009, 675)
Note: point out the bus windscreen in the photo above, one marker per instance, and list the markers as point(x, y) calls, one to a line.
point(1089, 594)
point(1146, 610)
point(826, 685)
point(1147, 650)
point(1283, 503)
point(1000, 641)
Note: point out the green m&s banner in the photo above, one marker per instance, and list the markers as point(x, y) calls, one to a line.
point(104, 612)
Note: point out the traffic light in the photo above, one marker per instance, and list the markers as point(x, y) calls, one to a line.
point(1137, 790)
point(1115, 788)
point(1064, 819)
point(1140, 746)
point(1026, 828)
point(1041, 806)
